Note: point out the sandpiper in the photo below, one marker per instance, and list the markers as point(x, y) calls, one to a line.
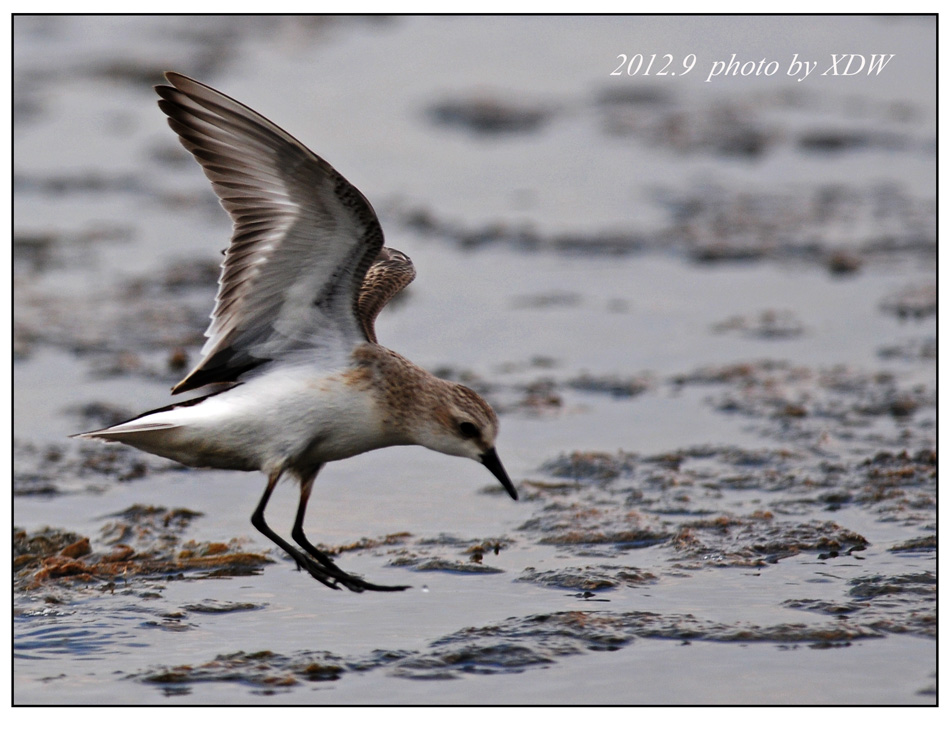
point(295, 375)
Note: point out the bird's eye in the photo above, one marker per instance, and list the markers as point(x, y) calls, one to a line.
point(469, 430)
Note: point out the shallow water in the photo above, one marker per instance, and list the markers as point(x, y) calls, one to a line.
point(705, 313)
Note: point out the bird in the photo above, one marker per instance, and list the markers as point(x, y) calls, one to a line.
point(292, 372)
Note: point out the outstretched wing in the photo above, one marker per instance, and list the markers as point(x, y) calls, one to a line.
point(303, 237)
point(392, 272)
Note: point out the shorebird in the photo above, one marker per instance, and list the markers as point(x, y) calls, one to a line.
point(295, 374)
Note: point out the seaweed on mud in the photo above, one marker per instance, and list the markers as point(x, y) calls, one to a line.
point(856, 438)
point(539, 397)
point(672, 503)
point(546, 395)
point(896, 604)
point(713, 223)
point(143, 542)
point(921, 584)
point(899, 486)
point(393, 539)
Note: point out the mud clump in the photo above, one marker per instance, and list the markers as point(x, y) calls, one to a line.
point(596, 467)
point(588, 579)
point(265, 672)
point(903, 603)
point(430, 554)
point(758, 539)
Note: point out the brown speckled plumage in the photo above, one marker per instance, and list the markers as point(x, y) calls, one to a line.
point(388, 275)
point(409, 396)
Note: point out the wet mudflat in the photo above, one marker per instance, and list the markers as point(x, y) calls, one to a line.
point(705, 315)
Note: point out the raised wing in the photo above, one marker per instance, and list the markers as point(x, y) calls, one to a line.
point(303, 237)
point(386, 277)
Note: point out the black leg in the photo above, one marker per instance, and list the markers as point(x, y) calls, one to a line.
point(347, 580)
point(257, 519)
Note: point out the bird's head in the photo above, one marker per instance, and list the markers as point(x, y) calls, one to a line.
point(466, 426)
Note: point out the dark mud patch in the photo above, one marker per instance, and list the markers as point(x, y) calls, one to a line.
point(718, 225)
point(37, 252)
point(141, 336)
point(80, 465)
point(217, 607)
point(725, 128)
point(925, 544)
point(912, 350)
point(615, 386)
point(447, 565)
point(834, 224)
point(511, 646)
point(540, 640)
point(515, 235)
point(545, 394)
point(142, 327)
point(912, 302)
point(771, 324)
point(489, 115)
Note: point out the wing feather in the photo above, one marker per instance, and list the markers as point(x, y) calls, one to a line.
point(302, 242)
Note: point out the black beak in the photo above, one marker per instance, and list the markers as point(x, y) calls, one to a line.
point(491, 461)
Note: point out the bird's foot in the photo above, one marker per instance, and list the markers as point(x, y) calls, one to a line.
point(332, 576)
